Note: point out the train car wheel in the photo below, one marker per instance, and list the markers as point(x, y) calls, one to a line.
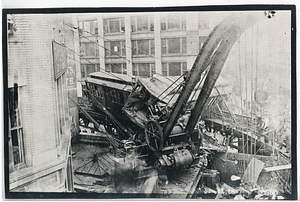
point(154, 135)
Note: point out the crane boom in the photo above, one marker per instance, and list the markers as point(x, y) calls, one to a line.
point(243, 22)
point(213, 54)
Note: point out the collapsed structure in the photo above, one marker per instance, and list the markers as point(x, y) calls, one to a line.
point(178, 123)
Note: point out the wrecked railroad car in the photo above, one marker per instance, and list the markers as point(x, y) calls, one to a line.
point(163, 112)
point(165, 122)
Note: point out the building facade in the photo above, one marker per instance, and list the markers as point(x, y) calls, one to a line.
point(139, 44)
point(40, 116)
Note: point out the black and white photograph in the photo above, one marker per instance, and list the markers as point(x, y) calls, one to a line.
point(189, 102)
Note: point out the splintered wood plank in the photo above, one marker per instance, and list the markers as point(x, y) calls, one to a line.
point(275, 168)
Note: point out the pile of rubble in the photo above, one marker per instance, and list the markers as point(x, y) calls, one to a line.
point(244, 191)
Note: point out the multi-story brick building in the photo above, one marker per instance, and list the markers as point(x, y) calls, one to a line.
point(141, 43)
point(40, 117)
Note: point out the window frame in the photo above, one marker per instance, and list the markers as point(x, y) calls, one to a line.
point(109, 53)
point(83, 67)
point(20, 133)
point(136, 72)
point(165, 19)
point(135, 47)
point(83, 52)
point(166, 68)
point(107, 28)
point(84, 32)
point(134, 22)
point(108, 68)
point(165, 45)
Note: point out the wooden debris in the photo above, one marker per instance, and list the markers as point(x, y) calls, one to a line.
point(219, 191)
point(228, 189)
point(276, 168)
point(82, 189)
point(207, 190)
point(242, 190)
point(98, 137)
point(253, 170)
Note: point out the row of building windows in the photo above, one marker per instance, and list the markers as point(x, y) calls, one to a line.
point(139, 47)
point(138, 69)
point(144, 23)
